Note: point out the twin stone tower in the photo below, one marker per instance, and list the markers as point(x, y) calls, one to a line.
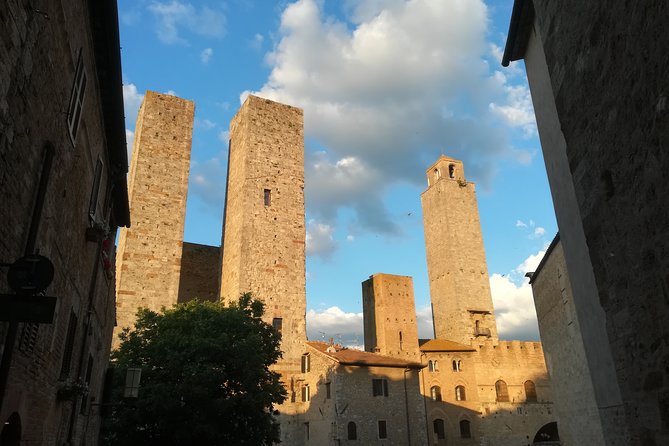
point(263, 238)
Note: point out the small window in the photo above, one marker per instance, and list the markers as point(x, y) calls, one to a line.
point(400, 340)
point(306, 430)
point(76, 99)
point(328, 395)
point(439, 430)
point(267, 197)
point(465, 429)
point(435, 393)
point(89, 373)
point(437, 174)
point(306, 395)
point(460, 393)
point(457, 365)
point(383, 432)
point(502, 391)
point(277, 323)
point(530, 391)
point(433, 365)
point(69, 346)
point(352, 431)
point(306, 363)
point(95, 192)
point(451, 171)
point(379, 387)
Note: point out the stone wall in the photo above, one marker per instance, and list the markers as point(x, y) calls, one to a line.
point(200, 265)
point(149, 253)
point(39, 51)
point(608, 65)
point(264, 232)
point(456, 264)
point(389, 316)
point(575, 403)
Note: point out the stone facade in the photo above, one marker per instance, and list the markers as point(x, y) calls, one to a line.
point(567, 363)
point(459, 284)
point(149, 254)
point(263, 228)
point(600, 99)
point(390, 316)
point(61, 127)
point(198, 278)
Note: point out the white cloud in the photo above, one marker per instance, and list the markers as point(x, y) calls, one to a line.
point(521, 224)
point(384, 92)
point(345, 328)
point(132, 100)
point(425, 323)
point(320, 240)
point(171, 93)
point(204, 124)
point(514, 309)
point(538, 232)
point(174, 17)
point(130, 140)
point(257, 41)
point(518, 111)
point(207, 181)
point(224, 136)
point(533, 231)
point(530, 263)
point(206, 54)
point(350, 238)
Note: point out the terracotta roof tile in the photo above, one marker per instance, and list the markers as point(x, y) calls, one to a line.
point(347, 356)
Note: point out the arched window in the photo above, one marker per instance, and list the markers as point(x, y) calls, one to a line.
point(433, 365)
point(465, 429)
point(352, 431)
point(451, 171)
point(435, 393)
point(437, 174)
point(502, 391)
point(530, 391)
point(401, 341)
point(460, 393)
point(457, 365)
point(306, 363)
point(439, 430)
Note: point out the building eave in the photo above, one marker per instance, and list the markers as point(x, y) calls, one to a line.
point(520, 26)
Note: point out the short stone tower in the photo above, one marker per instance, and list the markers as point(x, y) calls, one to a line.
point(148, 260)
point(390, 316)
point(263, 228)
point(462, 307)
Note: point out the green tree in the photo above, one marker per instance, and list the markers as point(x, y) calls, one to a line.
point(205, 377)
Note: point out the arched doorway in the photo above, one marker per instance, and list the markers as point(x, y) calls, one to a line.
point(11, 431)
point(547, 435)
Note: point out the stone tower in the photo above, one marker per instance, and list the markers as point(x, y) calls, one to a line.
point(148, 260)
point(390, 316)
point(263, 228)
point(462, 307)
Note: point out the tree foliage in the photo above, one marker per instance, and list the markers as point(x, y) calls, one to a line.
point(205, 377)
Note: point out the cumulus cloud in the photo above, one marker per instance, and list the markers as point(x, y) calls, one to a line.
point(384, 94)
point(518, 110)
point(533, 231)
point(130, 140)
point(320, 241)
point(425, 322)
point(172, 18)
point(132, 100)
point(513, 301)
point(344, 328)
point(204, 124)
point(206, 54)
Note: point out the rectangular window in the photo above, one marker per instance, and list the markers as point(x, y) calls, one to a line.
point(95, 192)
point(383, 433)
point(277, 323)
point(69, 345)
point(306, 363)
point(305, 393)
point(89, 372)
point(379, 387)
point(327, 391)
point(306, 430)
point(267, 197)
point(76, 99)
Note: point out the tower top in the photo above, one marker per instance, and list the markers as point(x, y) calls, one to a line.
point(445, 168)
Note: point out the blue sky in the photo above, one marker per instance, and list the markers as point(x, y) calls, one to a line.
point(386, 86)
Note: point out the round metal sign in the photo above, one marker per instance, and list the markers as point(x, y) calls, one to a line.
point(30, 274)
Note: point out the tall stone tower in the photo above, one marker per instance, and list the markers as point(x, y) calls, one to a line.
point(263, 228)
point(389, 316)
point(148, 260)
point(462, 307)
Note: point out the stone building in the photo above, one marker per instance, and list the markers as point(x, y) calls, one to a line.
point(562, 337)
point(464, 387)
point(597, 75)
point(63, 189)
